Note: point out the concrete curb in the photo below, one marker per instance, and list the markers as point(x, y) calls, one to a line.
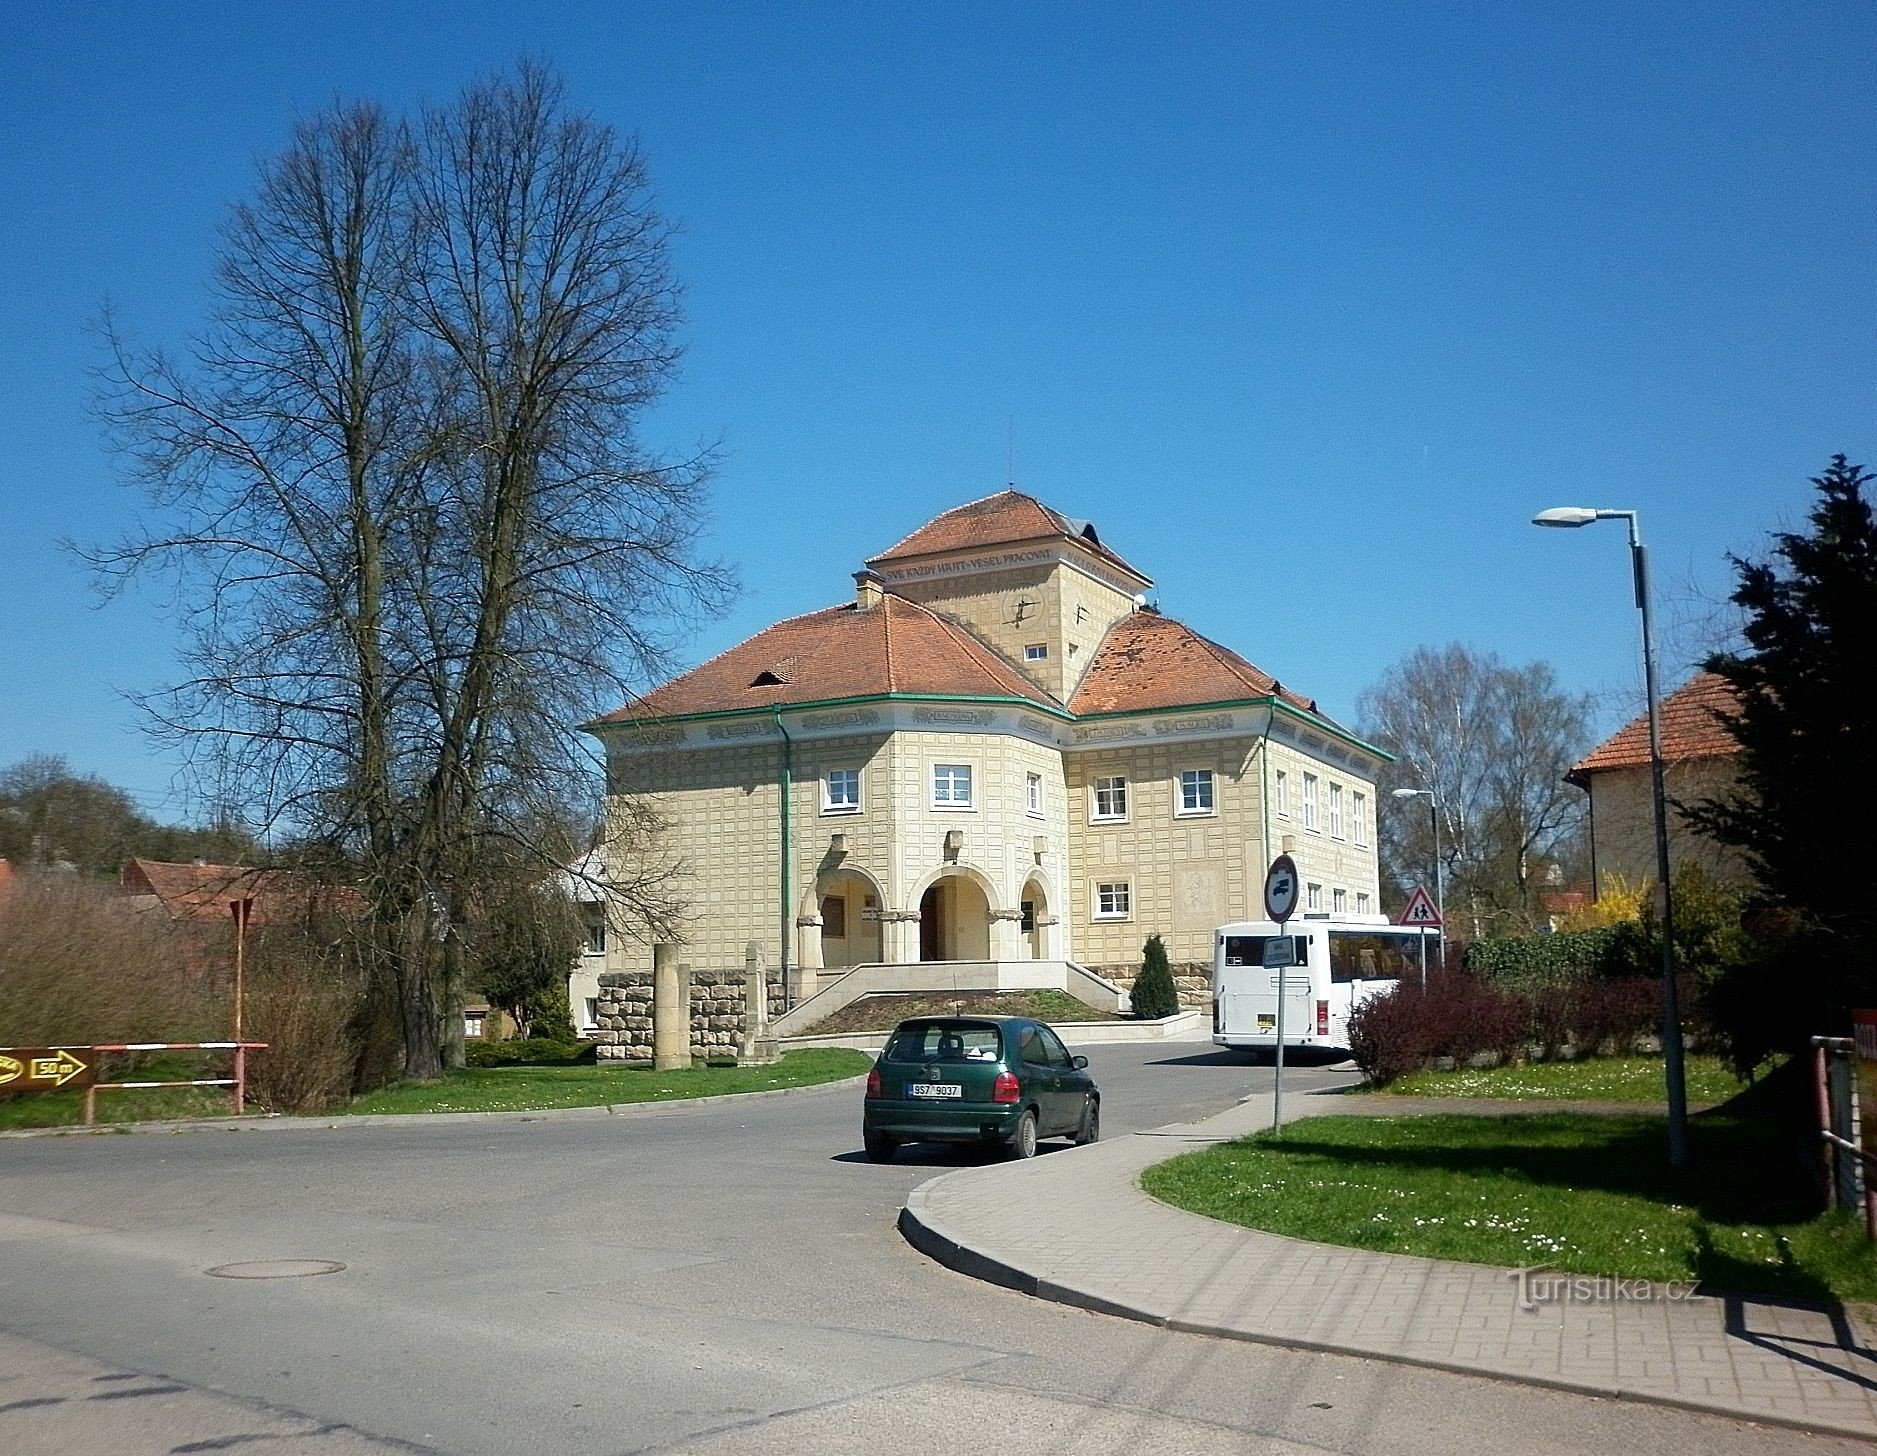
point(926, 1233)
point(283, 1122)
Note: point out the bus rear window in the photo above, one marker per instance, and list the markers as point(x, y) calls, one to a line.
point(1248, 950)
point(1356, 956)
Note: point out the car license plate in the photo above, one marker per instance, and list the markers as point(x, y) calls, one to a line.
point(935, 1089)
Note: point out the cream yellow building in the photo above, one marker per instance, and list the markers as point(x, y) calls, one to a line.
point(995, 752)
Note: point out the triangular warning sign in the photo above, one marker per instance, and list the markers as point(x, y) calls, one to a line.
point(1420, 911)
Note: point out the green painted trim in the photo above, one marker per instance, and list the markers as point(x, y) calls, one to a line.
point(598, 726)
point(788, 852)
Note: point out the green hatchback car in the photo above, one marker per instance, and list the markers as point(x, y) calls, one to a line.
point(977, 1079)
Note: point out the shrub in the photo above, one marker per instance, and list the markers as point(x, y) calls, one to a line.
point(1529, 961)
point(1457, 1015)
point(528, 1051)
point(304, 999)
point(80, 963)
point(1154, 994)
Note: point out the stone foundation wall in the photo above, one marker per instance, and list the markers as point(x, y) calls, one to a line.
point(623, 1016)
point(1192, 979)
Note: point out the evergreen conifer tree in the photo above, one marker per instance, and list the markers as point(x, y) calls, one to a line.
point(1154, 994)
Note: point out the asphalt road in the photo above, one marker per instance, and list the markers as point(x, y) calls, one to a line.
point(724, 1278)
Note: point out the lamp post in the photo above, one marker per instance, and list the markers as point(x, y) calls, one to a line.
point(1568, 516)
point(1440, 895)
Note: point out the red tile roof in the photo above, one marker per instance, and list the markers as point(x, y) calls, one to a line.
point(841, 652)
point(998, 520)
point(1693, 726)
point(202, 892)
point(1151, 661)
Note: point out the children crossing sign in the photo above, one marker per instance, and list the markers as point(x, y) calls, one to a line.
point(1420, 911)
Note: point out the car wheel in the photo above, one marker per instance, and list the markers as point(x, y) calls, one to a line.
point(1090, 1131)
point(881, 1148)
point(1023, 1140)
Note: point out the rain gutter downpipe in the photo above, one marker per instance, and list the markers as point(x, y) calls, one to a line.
point(788, 888)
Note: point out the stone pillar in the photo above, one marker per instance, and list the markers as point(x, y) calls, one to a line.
point(757, 1047)
point(808, 941)
point(1007, 936)
point(671, 1011)
point(899, 937)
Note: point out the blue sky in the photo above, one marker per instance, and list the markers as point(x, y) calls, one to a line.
point(1309, 307)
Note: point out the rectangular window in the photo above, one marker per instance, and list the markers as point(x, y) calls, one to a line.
point(1359, 818)
point(596, 937)
point(1339, 902)
point(840, 791)
point(1280, 794)
point(1314, 898)
point(1114, 900)
point(1310, 802)
point(1033, 794)
point(1196, 791)
point(472, 1025)
point(593, 1012)
point(834, 918)
point(951, 786)
point(1035, 651)
point(1362, 903)
point(1111, 798)
point(1336, 811)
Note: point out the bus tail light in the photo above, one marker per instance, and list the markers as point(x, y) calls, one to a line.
point(1323, 1018)
point(1005, 1088)
point(1218, 1015)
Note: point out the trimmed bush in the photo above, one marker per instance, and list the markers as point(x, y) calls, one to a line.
point(528, 1051)
point(1530, 961)
point(1154, 994)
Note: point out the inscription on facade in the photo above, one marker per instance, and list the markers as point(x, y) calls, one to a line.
point(853, 718)
point(1036, 728)
point(1115, 734)
point(1210, 723)
point(723, 732)
point(955, 717)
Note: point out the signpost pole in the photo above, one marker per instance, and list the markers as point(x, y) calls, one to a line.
point(1280, 900)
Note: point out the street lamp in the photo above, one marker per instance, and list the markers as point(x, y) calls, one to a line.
point(1671, 1005)
point(1440, 895)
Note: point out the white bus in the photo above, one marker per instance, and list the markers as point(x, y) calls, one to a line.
point(1339, 964)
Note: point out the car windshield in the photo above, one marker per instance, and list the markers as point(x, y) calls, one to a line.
point(945, 1041)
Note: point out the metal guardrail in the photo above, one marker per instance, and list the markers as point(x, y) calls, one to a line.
point(1851, 1170)
point(70, 1067)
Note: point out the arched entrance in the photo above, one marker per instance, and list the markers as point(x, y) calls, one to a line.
point(1038, 920)
point(849, 905)
point(954, 920)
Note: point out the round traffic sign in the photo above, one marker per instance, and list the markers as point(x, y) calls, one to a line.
point(1281, 889)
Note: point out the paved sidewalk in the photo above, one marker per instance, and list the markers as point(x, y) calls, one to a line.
point(1113, 1249)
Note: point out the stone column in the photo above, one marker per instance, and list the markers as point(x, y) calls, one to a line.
point(671, 1011)
point(808, 941)
point(757, 1047)
point(1007, 935)
point(899, 937)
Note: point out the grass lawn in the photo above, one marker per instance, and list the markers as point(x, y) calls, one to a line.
point(525, 1089)
point(1596, 1079)
point(1560, 1191)
point(883, 1013)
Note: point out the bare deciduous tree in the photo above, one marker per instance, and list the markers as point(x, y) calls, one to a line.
point(414, 535)
point(1493, 742)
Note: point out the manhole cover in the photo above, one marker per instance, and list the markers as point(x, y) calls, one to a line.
point(276, 1269)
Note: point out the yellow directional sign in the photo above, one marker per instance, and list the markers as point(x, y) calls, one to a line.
point(41, 1069)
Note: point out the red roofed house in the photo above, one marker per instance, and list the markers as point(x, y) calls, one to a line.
point(1698, 763)
point(994, 753)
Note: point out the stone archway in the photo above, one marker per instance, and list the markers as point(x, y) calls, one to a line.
point(955, 918)
point(1037, 928)
point(848, 903)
